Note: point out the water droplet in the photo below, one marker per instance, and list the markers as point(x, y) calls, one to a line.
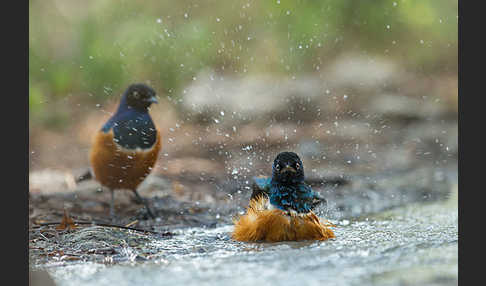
point(247, 148)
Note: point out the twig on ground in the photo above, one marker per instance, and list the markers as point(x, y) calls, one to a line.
point(107, 225)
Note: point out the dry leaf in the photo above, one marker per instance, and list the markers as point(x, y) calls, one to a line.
point(67, 222)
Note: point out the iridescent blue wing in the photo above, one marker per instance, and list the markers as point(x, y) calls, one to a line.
point(261, 185)
point(313, 199)
point(262, 182)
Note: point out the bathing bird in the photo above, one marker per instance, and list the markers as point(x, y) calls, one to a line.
point(281, 207)
point(125, 149)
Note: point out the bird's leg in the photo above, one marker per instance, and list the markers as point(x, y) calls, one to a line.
point(145, 202)
point(112, 204)
point(137, 199)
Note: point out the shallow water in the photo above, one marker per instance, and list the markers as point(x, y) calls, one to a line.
point(415, 244)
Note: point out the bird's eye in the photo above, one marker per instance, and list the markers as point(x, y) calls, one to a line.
point(297, 165)
point(277, 167)
point(136, 94)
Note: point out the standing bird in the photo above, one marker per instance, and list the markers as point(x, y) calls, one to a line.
point(281, 207)
point(125, 150)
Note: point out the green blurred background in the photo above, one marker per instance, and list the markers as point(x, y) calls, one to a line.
point(90, 49)
point(83, 54)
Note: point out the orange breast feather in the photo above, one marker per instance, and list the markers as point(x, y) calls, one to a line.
point(272, 225)
point(118, 168)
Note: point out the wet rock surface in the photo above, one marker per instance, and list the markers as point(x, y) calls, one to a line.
point(382, 152)
point(381, 249)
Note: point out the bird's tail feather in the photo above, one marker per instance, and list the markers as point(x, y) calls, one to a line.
point(88, 175)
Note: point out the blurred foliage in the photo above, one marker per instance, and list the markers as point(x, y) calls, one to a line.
point(97, 47)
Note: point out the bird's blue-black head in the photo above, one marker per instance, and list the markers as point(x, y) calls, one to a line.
point(132, 125)
point(138, 96)
point(287, 169)
point(287, 188)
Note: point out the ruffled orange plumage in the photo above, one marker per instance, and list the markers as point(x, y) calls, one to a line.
point(261, 223)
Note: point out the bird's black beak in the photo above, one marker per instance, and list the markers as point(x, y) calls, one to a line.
point(152, 99)
point(288, 169)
